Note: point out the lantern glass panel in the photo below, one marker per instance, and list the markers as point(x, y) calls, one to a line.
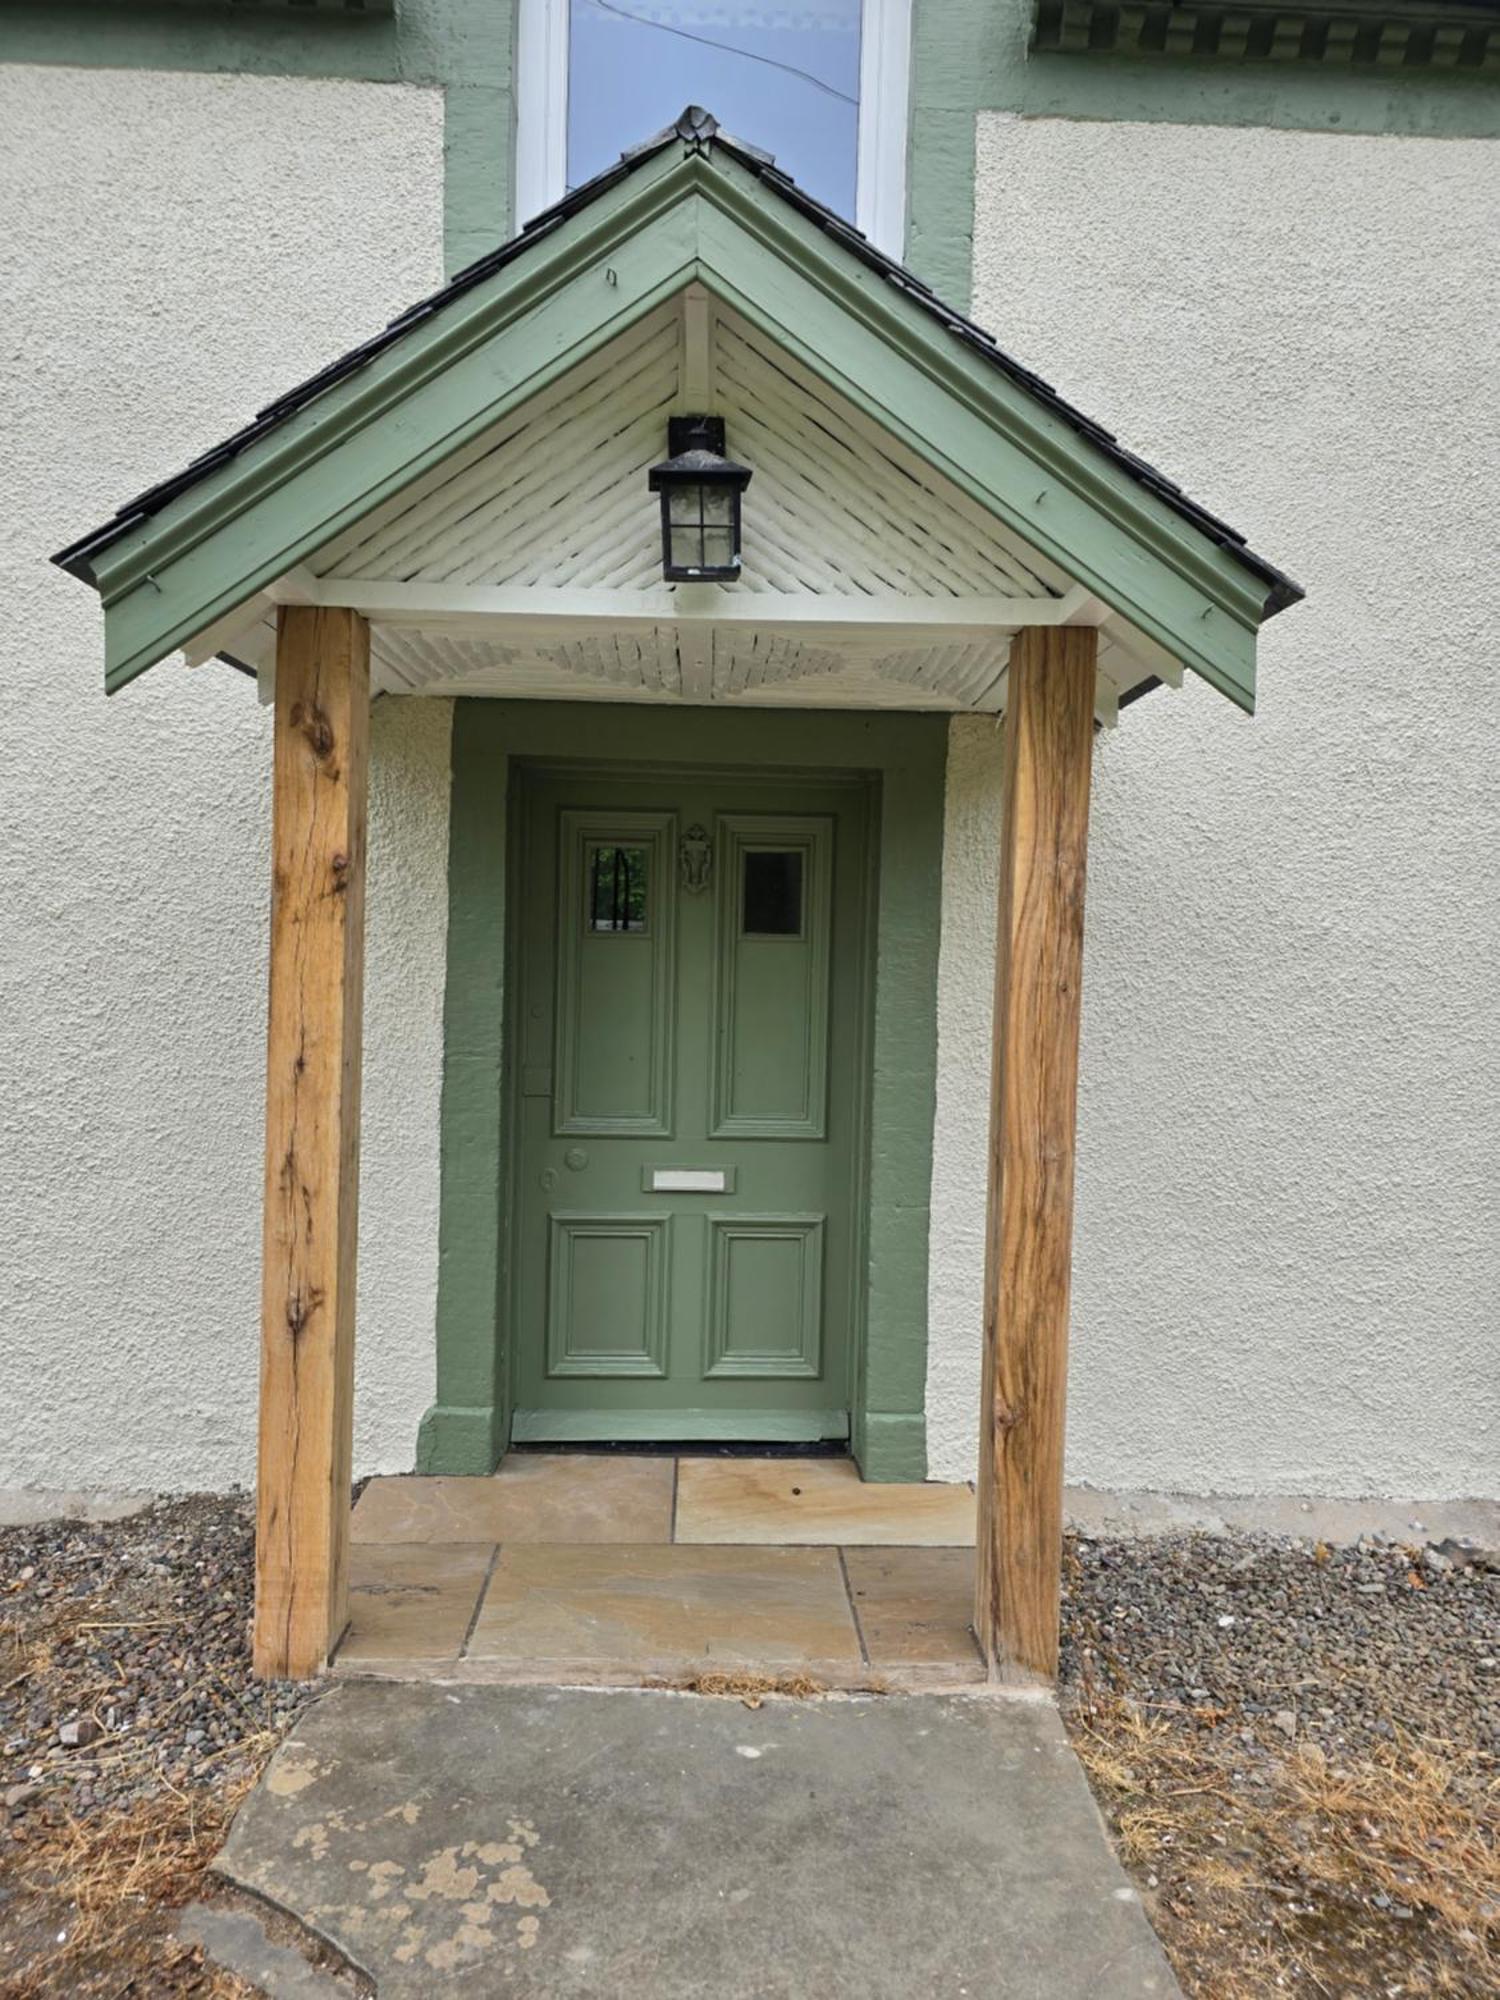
point(700, 526)
point(718, 548)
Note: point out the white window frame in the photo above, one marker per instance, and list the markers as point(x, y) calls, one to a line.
point(884, 94)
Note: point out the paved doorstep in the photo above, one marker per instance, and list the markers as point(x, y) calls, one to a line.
point(553, 1843)
point(612, 1612)
point(593, 1568)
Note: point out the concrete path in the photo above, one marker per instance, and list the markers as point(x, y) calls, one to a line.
point(526, 1842)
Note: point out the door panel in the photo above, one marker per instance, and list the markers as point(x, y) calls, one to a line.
point(615, 963)
point(688, 994)
point(765, 1309)
point(606, 1294)
point(772, 972)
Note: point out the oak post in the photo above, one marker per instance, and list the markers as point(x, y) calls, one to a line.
point(1048, 743)
point(320, 764)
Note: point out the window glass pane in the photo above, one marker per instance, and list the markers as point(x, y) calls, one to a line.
point(772, 904)
point(718, 548)
point(617, 889)
point(782, 76)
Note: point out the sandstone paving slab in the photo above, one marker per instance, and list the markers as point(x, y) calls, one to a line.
point(475, 1840)
point(814, 1501)
point(667, 1609)
point(534, 1497)
point(915, 1606)
point(412, 1600)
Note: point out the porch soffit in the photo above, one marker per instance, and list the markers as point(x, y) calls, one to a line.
point(542, 555)
point(475, 480)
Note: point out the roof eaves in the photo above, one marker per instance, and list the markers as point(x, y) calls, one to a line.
point(698, 132)
point(76, 558)
point(1282, 590)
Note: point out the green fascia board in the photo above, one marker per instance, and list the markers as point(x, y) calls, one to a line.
point(894, 361)
point(685, 213)
point(424, 397)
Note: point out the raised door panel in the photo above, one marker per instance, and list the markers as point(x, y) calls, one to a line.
point(616, 973)
point(606, 1294)
point(765, 1295)
point(773, 885)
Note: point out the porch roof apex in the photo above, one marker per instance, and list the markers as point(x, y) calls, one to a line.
point(700, 144)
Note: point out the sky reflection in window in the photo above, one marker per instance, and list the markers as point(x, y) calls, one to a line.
point(784, 78)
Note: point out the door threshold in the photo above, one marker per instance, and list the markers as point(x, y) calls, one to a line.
point(674, 1429)
point(690, 1448)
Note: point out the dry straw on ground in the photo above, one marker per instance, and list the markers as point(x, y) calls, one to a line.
point(1379, 1876)
point(1319, 1815)
point(99, 1895)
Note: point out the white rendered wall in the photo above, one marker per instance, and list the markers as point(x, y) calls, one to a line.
point(175, 250)
point(1287, 1273)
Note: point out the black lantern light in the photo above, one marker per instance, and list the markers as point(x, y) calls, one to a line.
point(700, 503)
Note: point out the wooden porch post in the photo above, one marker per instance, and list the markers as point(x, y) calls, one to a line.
point(312, 1137)
point(1048, 743)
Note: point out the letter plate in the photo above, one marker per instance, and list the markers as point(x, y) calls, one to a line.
point(688, 1180)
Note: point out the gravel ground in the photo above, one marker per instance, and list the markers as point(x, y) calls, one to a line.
point(143, 1626)
point(1297, 1747)
point(1346, 1647)
point(129, 1722)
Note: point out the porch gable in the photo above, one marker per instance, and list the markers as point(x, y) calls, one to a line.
point(1107, 540)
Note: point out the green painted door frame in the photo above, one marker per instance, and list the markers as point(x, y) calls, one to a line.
point(468, 1427)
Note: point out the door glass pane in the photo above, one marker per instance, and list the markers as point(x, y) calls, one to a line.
point(783, 77)
point(772, 905)
point(617, 889)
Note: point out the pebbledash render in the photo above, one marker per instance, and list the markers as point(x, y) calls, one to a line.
point(1265, 269)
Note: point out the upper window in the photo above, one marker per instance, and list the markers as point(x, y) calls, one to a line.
point(822, 84)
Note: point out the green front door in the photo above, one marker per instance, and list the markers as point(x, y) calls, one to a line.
point(687, 1103)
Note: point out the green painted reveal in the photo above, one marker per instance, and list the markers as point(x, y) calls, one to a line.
point(468, 1426)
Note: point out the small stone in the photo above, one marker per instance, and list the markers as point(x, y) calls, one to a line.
point(1285, 1721)
point(82, 1730)
point(18, 1797)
